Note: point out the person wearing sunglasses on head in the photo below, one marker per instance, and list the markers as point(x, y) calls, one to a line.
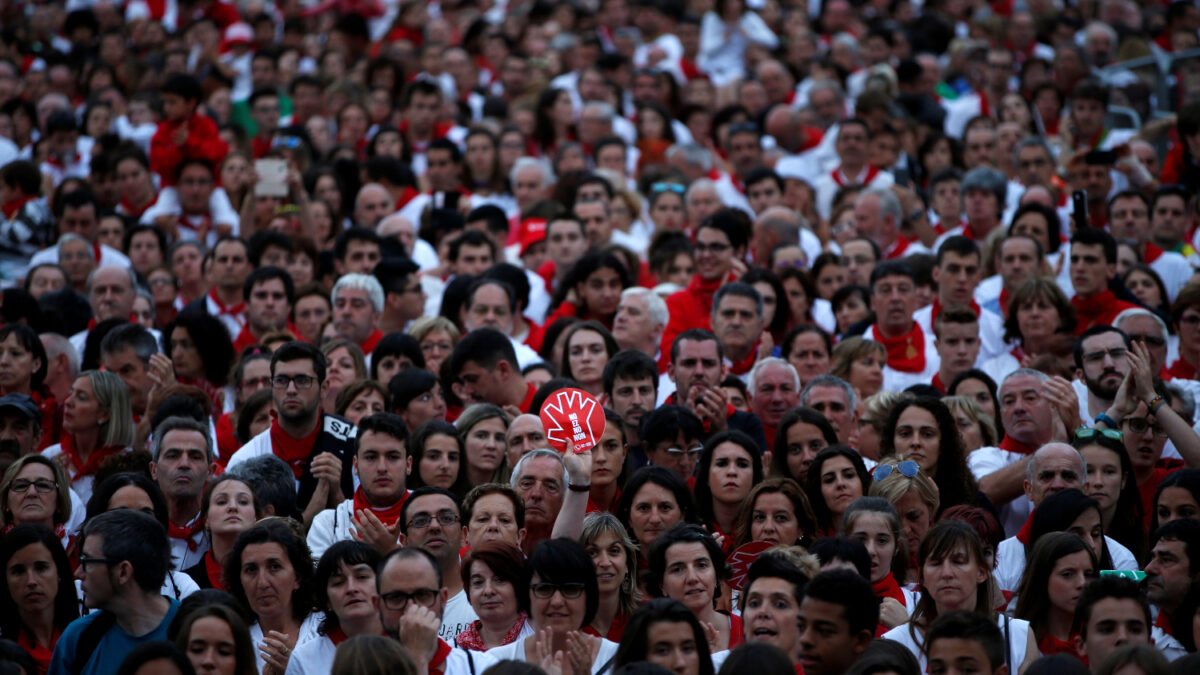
point(1111, 483)
point(1141, 410)
point(915, 497)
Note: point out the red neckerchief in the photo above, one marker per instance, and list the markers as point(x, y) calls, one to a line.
point(689, 68)
point(222, 309)
point(1049, 645)
point(527, 402)
point(938, 384)
point(186, 532)
point(985, 109)
point(742, 367)
point(214, 570)
point(133, 211)
point(406, 196)
point(1152, 253)
point(888, 588)
point(1089, 309)
point(1026, 532)
point(388, 514)
point(41, 654)
point(1013, 445)
point(373, 339)
point(336, 635)
point(593, 507)
point(438, 663)
point(12, 206)
point(937, 309)
point(93, 461)
point(615, 631)
point(92, 322)
point(1182, 370)
point(842, 179)
point(897, 250)
point(1004, 296)
point(292, 450)
point(440, 129)
point(905, 353)
point(1164, 622)
point(472, 639)
point(60, 530)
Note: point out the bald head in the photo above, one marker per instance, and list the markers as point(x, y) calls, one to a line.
point(372, 204)
point(781, 124)
point(1037, 194)
point(1053, 468)
point(399, 227)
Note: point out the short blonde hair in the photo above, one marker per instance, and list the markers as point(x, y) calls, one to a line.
point(878, 406)
point(427, 324)
point(850, 350)
point(896, 485)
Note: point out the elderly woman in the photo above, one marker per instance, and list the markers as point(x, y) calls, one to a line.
point(1040, 322)
point(563, 598)
point(437, 336)
point(493, 575)
point(97, 424)
point(36, 490)
point(860, 362)
point(483, 429)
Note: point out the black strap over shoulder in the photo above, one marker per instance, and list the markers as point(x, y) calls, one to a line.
point(607, 664)
point(90, 638)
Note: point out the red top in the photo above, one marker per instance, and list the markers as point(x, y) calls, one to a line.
point(905, 353)
point(1100, 309)
point(1148, 488)
point(690, 308)
point(203, 142)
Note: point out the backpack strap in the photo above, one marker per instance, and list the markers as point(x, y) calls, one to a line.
point(90, 638)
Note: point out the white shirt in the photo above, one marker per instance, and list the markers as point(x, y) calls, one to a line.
point(183, 557)
point(308, 632)
point(826, 187)
point(515, 651)
point(82, 485)
point(1017, 634)
point(108, 257)
point(988, 460)
point(457, 616)
point(991, 333)
point(1010, 561)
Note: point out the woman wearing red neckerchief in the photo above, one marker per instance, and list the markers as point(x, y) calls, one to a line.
point(615, 557)
point(23, 366)
point(97, 424)
point(874, 522)
point(39, 598)
point(493, 575)
point(1059, 566)
point(229, 508)
point(346, 592)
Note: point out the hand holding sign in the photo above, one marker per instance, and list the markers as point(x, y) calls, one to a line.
point(575, 415)
point(741, 559)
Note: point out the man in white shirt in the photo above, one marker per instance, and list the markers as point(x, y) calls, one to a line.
point(852, 146)
point(182, 463)
point(431, 519)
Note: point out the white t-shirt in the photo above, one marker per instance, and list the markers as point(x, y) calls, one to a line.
point(1017, 635)
point(515, 651)
point(457, 616)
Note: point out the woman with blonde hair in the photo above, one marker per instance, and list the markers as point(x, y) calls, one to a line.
point(615, 556)
point(437, 336)
point(976, 429)
point(345, 364)
point(860, 362)
point(97, 424)
point(874, 417)
point(914, 496)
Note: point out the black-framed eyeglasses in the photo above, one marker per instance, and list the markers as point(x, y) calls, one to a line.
point(1114, 353)
point(84, 561)
point(907, 468)
point(1139, 425)
point(1092, 432)
point(301, 381)
point(42, 486)
point(422, 521)
point(397, 600)
point(545, 590)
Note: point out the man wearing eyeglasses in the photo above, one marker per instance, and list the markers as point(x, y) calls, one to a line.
point(431, 519)
point(720, 240)
point(1101, 363)
point(317, 445)
point(382, 464)
point(411, 602)
point(1146, 327)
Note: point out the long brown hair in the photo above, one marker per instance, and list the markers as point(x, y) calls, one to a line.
point(947, 538)
point(777, 485)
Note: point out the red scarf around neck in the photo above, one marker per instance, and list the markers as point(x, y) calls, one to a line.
point(214, 570)
point(41, 654)
point(1181, 370)
point(1013, 445)
point(388, 515)
point(888, 588)
point(94, 460)
point(373, 339)
point(222, 308)
point(905, 353)
point(938, 307)
point(843, 180)
point(336, 635)
point(937, 382)
point(12, 206)
point(1026, 532)
point(186, 532)
point(294, 451)
point(437, 664)
point(705, 289)
point(1049, 645)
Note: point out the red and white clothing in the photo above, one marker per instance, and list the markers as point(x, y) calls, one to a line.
point(1010, 561)
point(233, 316)
point(307, 633)
point(516, 652)
point(988, 460)
point(189, 543)
point(81, 474)
point(991, 330)
point(105, 257)
point(912, 358)
point(828, 184)
point(333, 525)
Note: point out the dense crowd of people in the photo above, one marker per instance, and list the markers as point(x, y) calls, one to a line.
point(892, 309)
